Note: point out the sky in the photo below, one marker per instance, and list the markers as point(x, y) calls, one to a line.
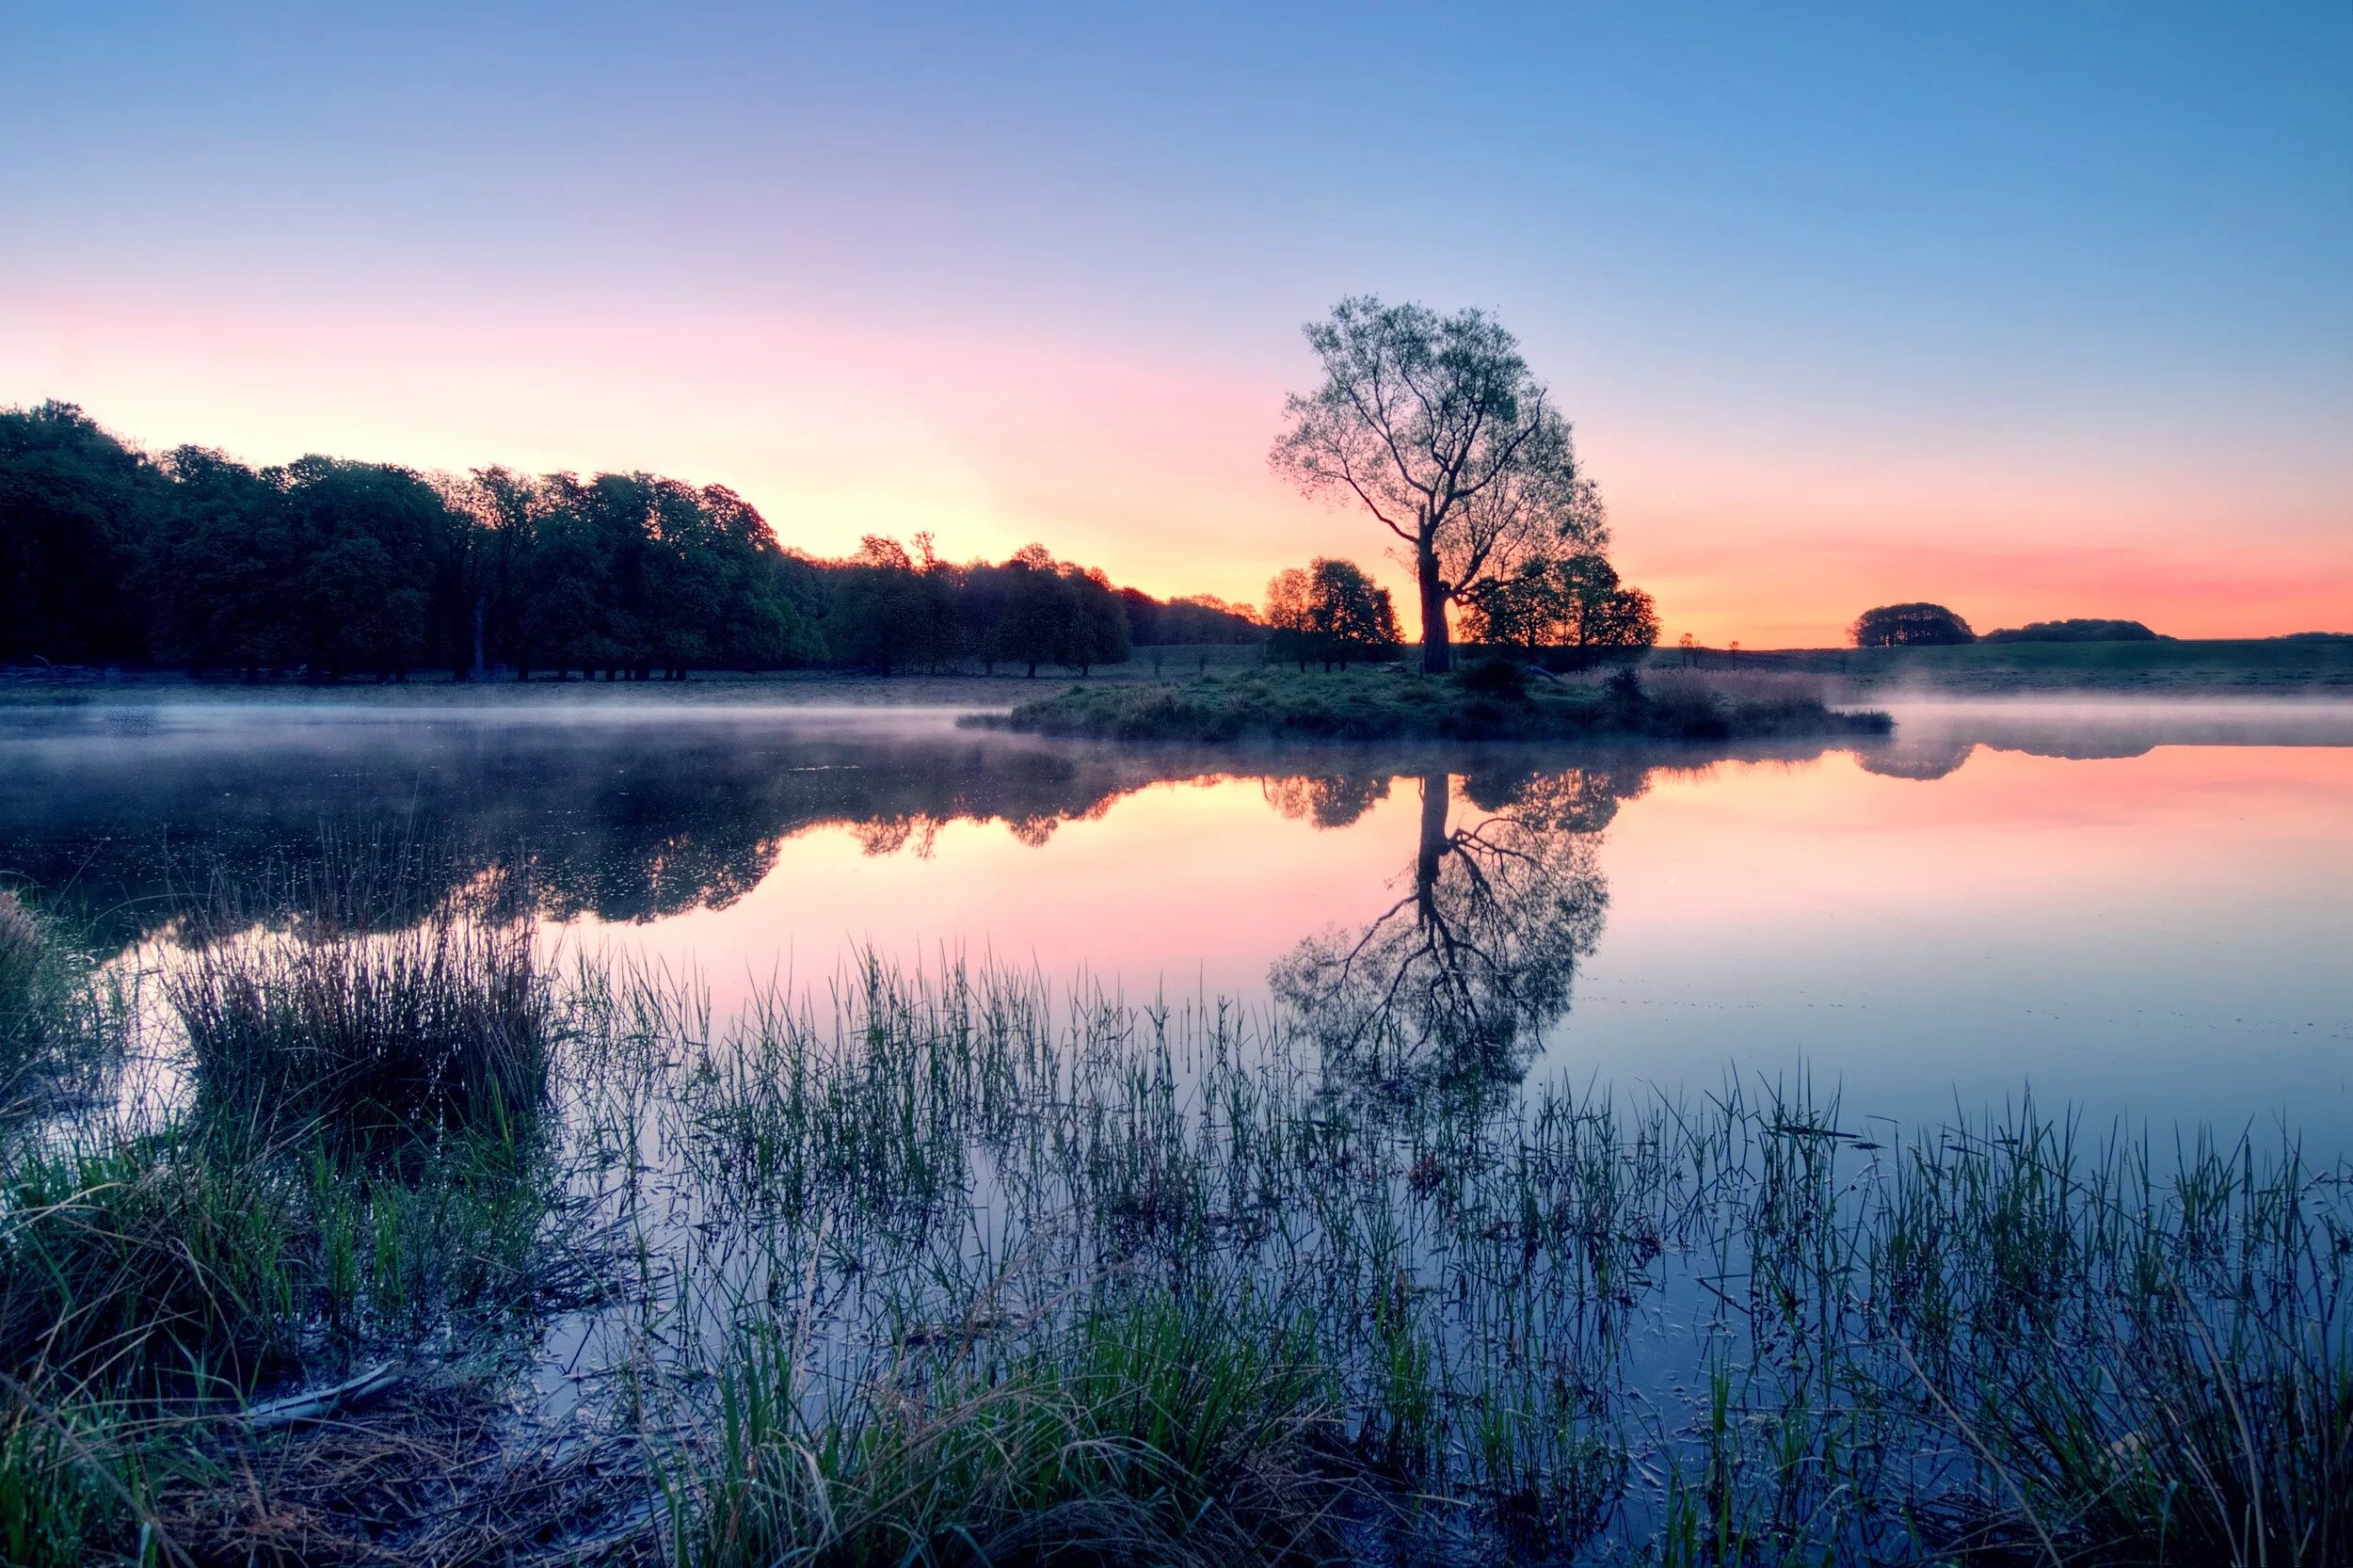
point(2034, 310)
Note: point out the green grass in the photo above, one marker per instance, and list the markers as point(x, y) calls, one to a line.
point(1157, 1433)
point(2269, 667)
point(1367, 705)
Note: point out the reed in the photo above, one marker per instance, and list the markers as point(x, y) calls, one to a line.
point(369, 1037)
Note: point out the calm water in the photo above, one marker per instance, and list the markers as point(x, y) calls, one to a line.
point(2140, 911)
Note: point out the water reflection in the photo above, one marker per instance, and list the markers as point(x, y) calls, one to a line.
point(1986, 916)
point(1456, 980)
point(639, 823)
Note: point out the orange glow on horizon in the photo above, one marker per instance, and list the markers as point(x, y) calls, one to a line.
point(1151, 466)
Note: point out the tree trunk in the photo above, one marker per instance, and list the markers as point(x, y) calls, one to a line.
point(1438, 652)
point(479, 668)
point(1436, 790)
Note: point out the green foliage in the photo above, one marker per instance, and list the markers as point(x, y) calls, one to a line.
point(73, 506)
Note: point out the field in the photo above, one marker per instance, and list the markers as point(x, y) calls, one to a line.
point(2266, 667)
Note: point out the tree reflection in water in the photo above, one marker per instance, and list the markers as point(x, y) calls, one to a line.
point(1455, 980)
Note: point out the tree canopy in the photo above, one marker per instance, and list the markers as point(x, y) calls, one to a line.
point(2078, 630)
point(1909, 625)
point(1570, 602)
point(1331, 612)
point(1437, 427)
point(329, 567)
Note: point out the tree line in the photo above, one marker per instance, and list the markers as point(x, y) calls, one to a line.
point(332, 568)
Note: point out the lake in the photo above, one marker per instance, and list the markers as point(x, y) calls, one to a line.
point(2136, 910)
point(1546, 1155)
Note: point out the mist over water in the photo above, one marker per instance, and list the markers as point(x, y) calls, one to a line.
point(2136, 909)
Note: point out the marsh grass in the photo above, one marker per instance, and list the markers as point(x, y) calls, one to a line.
point(58, 1021)
point(362, 1171)
point(960, 1265)
point(372, 1038)
point(1997, 1340)
point(1151, 1433)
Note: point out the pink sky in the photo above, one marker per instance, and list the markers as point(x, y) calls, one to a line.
point(1147, 457)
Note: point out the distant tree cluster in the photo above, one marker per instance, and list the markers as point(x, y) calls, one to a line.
point(1330, 612)
point(1569, 605)
point(2078, 630)
point(332, 568)
point(1188, 620)
point(895, 611)
point(1909, 625)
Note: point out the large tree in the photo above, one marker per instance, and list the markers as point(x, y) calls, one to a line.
point(1438, 428)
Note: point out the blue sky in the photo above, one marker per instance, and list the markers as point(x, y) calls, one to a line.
point(2015, 306)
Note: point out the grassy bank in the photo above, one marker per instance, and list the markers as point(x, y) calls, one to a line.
point(1487, 702)
point(964, 1268)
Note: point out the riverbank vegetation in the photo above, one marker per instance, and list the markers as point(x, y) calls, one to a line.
point(1491, 701)
point(961, 1267)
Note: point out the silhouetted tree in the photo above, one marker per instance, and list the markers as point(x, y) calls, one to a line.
point(1330, 612)
point(1037, 603)
point(1563, 601)
point(1289, 620)
point(1096, 629)
point(72, 508)
point(339, 567)
point(1437, 427)
point(1909, 625)
point(2078, 630)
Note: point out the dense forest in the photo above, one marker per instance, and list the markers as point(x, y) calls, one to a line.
point(326, 567)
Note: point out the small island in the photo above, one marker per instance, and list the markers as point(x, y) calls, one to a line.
point(1491, 701)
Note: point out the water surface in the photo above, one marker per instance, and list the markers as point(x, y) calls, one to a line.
point(2137, 910)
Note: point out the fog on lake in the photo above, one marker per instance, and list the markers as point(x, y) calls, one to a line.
point(2134, 910)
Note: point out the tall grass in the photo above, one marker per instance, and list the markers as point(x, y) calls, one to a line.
point(1154, 1433)
point(57, 1021)
point(444, 1024)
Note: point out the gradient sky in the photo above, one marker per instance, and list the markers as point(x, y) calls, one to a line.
point(2037, 309)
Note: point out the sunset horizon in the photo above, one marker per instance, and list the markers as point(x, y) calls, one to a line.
point(1229, 785)
point(1059, 298)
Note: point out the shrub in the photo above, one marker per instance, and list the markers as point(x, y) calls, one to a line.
point(1494, 677)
